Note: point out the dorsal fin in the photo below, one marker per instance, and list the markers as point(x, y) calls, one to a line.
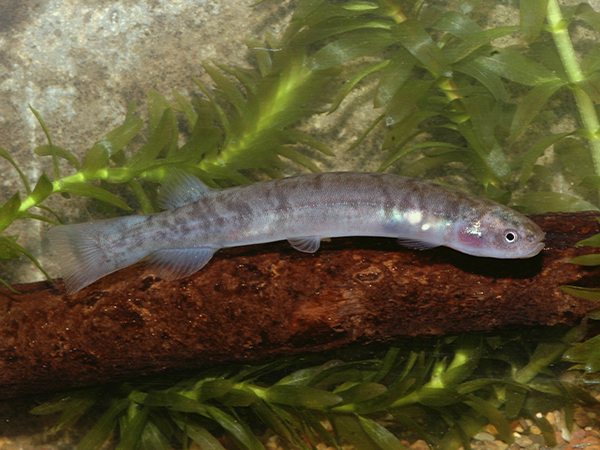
point(180, 188)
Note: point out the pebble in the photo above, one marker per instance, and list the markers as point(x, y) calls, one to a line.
point(534, 429)
point(500, 445)
point(491, 429)
point(483, 436)
point(420, 445)
point(581, 418)
point(524, 442)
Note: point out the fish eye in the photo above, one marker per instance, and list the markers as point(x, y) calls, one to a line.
point(510, 236)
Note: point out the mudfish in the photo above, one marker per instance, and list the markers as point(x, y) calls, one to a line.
point(303, 209)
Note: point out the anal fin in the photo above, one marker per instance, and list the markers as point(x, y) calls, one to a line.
point(306, 244)
point(180, 263)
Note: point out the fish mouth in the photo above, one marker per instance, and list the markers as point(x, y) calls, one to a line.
point(535, 250)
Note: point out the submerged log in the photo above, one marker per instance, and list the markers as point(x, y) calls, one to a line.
point(261, 301)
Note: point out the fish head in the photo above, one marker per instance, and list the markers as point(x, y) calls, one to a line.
point(498, 233)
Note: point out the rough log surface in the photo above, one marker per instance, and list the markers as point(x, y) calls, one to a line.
point(261, 301)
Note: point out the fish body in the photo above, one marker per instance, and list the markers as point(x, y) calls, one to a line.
point(302, 209)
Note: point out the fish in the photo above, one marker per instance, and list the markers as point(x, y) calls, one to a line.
point(302, 209)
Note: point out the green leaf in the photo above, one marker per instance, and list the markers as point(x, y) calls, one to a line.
point(406, 150)
point(586, 260)
point(46, 150)
point(403, 130)
point(351, 46)
point(154, 439)
point(531, 105)
point(98, 156)
point(236, 428)
point(575, 156)
point(174, 401)
point(349, 85)
point(301, 396)
point(592, 181)
point(297, 157)
point(593, 241)
point(261, 53)
point(303, 376)
point(493, 415)
point(305, 8)
point(131, 436)
point(515, 399)
point(533, 13)
point(187, 108)
point(586, 352)
point(516, 67)
point(160, 138)
point(42, 123)
point(43, 189)
point(532, 155)
point(490, 80)
point(9, 211)
point(230, 91)
point(361, 392)
point(350, 429)
point(238, 398)
point(484, 116)
point(213, 389)
point(457, 24)
point(4, 154)
point(380, 435)
point(417, 41)
point(585, 293)
point(22, 250)
point(591, 86)
point(437, 397)
point(295, 136)
point(486, 160)
point(591, 62)
point(474, 42)
point(157, 105)
point(393, 76)
point(202, 437)
point(586, 13)
point(547, 429)
point(544, 201)
point(102, 430)
point(273, 421)
point(89, 190)
point(405, 101)
point(7, 250)
point(359, 5)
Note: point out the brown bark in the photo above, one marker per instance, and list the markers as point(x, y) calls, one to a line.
point(262, 301)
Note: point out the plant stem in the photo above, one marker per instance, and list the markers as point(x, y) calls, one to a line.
point(585, 105)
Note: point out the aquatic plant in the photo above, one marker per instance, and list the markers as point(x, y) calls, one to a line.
point(446, 93)
point(440, 390)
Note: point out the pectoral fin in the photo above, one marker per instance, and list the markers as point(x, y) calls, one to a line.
point(180, 263)
point(416, 244)
point(307, 244)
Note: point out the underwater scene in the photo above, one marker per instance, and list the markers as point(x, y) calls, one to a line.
point(454, 311)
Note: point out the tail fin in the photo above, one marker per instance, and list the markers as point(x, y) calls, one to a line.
point(86, 252)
